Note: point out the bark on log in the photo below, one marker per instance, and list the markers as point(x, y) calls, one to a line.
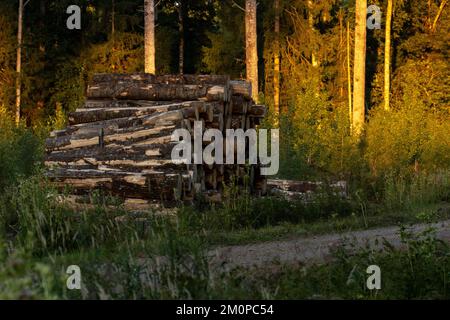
point(103, 114)
point(154, 151)
point(242, 88)
point(115, 137)
point(108, 103)
point(257, 111)
point(238, 105)
point(137, 90)
point(161, 79)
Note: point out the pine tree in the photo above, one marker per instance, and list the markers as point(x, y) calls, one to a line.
point(19, 61)
point(252, 46)
point(149, 12)
point(387, 56)
point(359, 73)
point(276, 63)
point(180, 6)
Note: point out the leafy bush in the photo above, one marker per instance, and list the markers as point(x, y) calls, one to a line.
point(20, 152)
point(22, 278)
point(406, 139)
point(408, 145)
point(242, 211)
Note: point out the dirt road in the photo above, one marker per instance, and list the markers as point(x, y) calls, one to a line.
point(311, 250)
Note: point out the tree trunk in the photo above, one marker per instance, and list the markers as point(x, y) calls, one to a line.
point(19, 62)
point(251, 39)
point(181, 32)
point(42, 18)
point(113, 19)
point(349, 77)
point(436, 19)
point(387, 57)
point(276, 64)
point(359, 73)
point(314, 61)
point(149, 9)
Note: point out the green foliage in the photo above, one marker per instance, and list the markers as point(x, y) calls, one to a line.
point(407, 137)
point(32, 212)
point(412, 137)
point(23, 279)
point(6, 57)
point(225, 54)
point(67, 94)
point(319, 136)
point(423, 83)
point(20, 152)
point(59, 121)
point(241, 211)
point(415, 191)
point(123, 54)
point(221, 57)
point(169, 265)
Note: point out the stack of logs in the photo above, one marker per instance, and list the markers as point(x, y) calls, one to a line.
point(120, 141)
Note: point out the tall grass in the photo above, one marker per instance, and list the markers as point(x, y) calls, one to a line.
point(34, 218)
point(416, 190)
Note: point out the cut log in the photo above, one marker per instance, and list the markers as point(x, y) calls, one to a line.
point(120, 136)
point(242, 88)
point(161, 79)
point(257, 111)
point(103, 114)
point(108, 103)
point(114, 152)
point(137, 90)
point(239, 105)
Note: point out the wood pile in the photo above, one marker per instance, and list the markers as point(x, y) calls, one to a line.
point(120, 140)
point(305, 190)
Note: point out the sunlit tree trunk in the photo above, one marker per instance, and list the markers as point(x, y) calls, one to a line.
point(251, 46)
point(342, 67)
point(149, 8)
point(19, 61)
point(436, 19)
point(359, 68)
point(349, 76)
point(276, 64)
point(314, 61)
point(387, 57)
